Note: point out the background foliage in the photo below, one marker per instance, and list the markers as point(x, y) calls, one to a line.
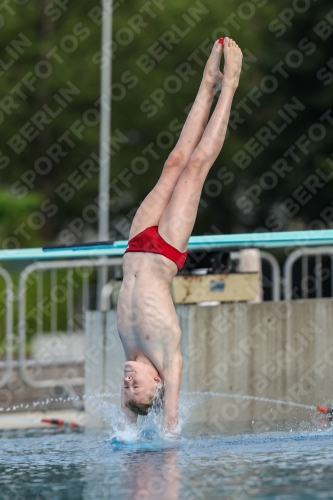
point(267, 41)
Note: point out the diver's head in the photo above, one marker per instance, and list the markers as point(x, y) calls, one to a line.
point(142, 384)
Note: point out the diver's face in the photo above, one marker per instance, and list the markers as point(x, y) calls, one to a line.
point(139, 382)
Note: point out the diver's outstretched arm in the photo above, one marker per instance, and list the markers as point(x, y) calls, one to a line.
point(172, 378)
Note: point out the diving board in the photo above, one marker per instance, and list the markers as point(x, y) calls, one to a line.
point(196, 243)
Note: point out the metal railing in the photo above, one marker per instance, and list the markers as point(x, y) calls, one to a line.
point(67, 290)
point(316, 278)
point(8, 326)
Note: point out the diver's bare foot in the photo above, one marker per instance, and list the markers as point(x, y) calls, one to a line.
point(232, 63)
point(212, 77)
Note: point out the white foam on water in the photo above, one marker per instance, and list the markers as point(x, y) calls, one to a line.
point(147, 429)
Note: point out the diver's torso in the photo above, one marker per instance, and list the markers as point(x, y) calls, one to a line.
point(147, 321)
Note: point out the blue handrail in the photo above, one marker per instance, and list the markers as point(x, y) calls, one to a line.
point(208, 242)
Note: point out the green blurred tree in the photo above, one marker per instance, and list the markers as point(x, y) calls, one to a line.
point(63, 52)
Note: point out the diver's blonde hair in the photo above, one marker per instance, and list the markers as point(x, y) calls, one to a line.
point(143, 407)
point(139, 408)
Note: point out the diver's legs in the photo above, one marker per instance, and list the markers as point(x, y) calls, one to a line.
point(153, 206)
point(178, 219)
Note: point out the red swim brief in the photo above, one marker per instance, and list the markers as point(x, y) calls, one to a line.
point(150, 241)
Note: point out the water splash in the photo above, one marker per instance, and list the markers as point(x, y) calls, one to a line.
point(148, 429)
point(47, 401)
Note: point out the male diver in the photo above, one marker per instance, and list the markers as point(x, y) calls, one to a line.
point(157, 248)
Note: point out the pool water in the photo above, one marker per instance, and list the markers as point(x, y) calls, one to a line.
point(49, 463)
